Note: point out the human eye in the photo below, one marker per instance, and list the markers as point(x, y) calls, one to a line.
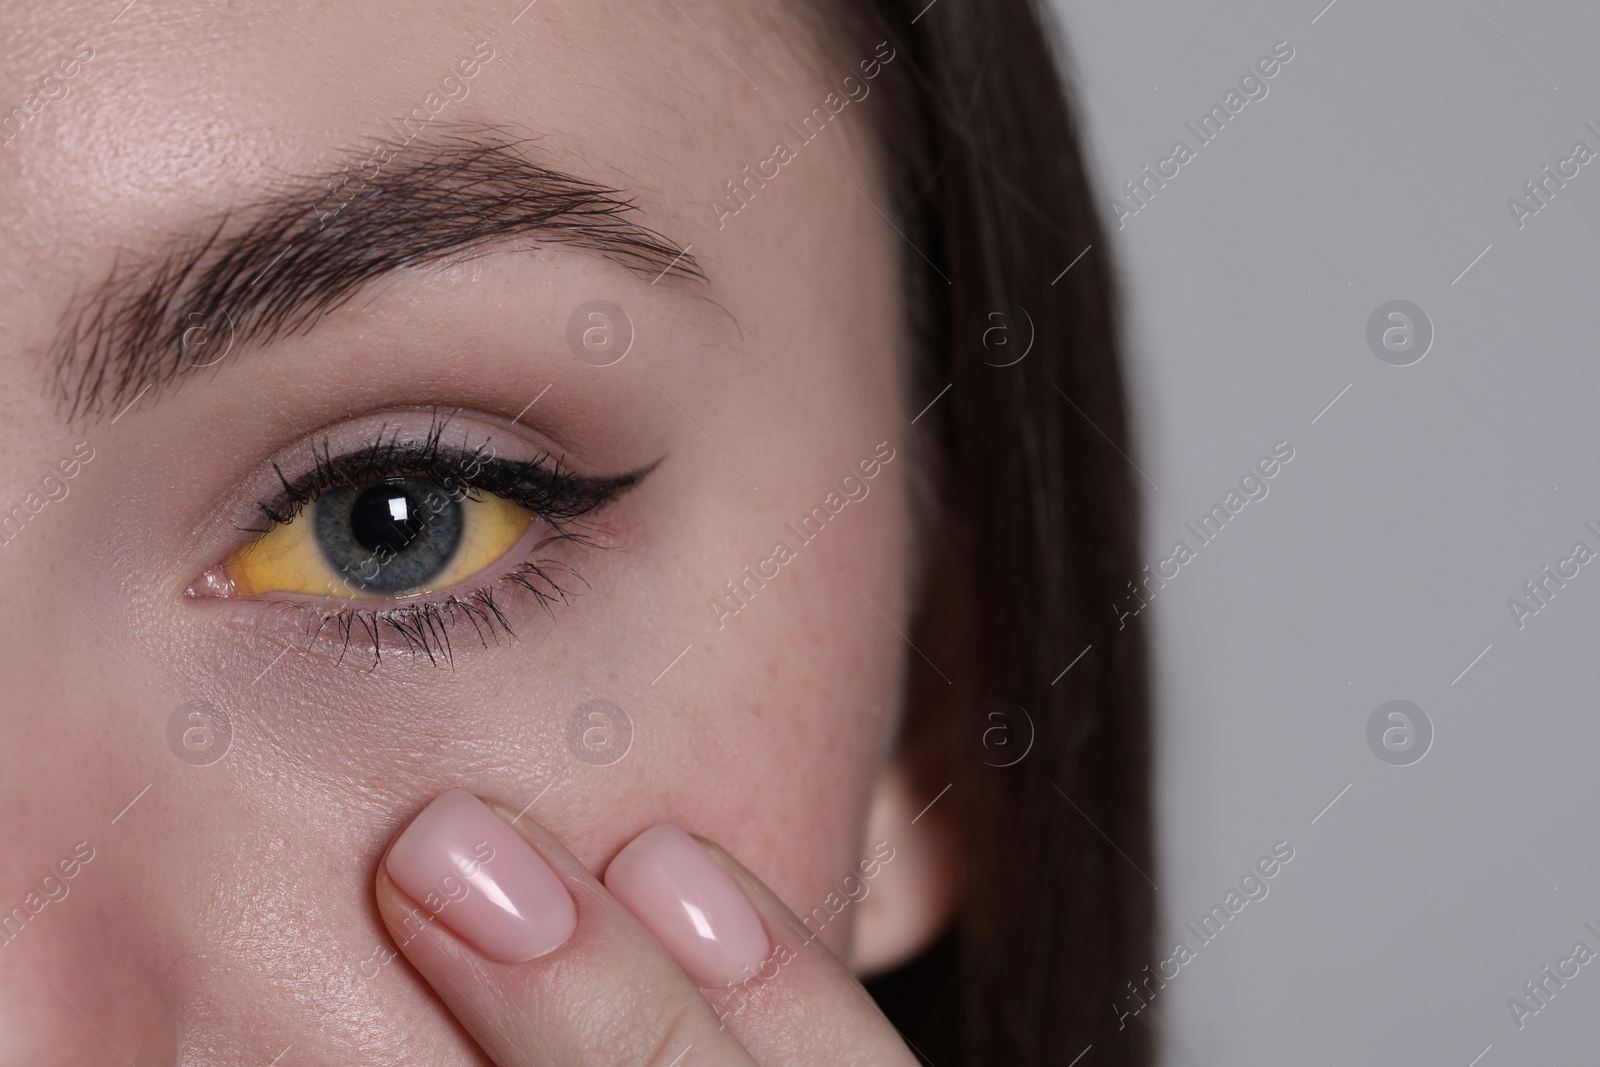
point(406, 530)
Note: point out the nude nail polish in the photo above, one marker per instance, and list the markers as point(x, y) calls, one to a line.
point(688, 901)
point(482, 880)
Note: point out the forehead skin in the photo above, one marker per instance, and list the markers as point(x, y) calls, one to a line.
point(228, 913)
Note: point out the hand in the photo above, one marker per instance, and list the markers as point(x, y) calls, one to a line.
point(680, 959)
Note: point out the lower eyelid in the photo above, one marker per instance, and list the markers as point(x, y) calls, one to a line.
point(348, 632)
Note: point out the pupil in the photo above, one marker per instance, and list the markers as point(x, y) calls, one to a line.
point(387, 517)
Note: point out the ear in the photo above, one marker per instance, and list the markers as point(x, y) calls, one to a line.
point(917, 887)
point(917, 811)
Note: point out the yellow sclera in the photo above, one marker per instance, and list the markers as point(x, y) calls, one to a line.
point(286, 559)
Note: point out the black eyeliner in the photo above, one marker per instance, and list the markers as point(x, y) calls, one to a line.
point(542, 485)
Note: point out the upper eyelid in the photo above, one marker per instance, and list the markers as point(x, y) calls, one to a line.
point(326, 472)
point(556, 494)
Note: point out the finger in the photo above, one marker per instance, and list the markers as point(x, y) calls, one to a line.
point(532, 955)
point(798, 1004)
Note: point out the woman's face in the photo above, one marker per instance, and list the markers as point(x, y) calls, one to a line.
point(219, 900)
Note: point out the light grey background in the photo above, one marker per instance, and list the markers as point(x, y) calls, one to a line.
point(1380, 565)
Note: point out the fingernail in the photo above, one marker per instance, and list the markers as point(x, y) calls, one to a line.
point(689, 903)
point(469, 868)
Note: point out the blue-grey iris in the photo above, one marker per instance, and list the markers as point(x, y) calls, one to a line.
point(391, 538)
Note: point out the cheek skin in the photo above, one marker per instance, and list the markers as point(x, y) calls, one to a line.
point(806, 678)
point(807, 684)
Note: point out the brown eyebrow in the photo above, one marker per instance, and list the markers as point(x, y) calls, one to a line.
point(278, 265)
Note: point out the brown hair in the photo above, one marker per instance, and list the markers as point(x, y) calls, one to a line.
point(1036, 520)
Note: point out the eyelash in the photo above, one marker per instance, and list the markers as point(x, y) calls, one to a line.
point(556, 496)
